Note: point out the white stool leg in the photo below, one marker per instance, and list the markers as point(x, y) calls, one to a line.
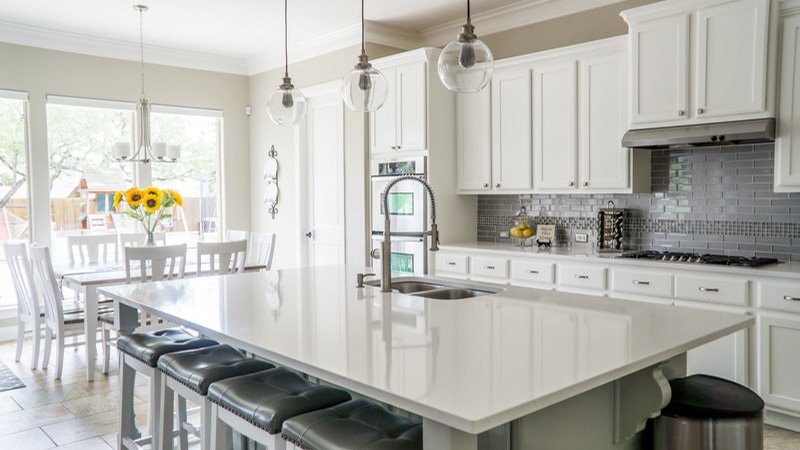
point(127, 379)
point(205, 425)
point(164, 440)
point(220, 431)
point(154, 405)
point(183, 435)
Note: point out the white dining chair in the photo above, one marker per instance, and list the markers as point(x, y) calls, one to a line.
point(261, 249)
point(58, 324)
point(223, 257)
point(29, 313)
point(137, 239)
point(90, 248)
point(235, 235)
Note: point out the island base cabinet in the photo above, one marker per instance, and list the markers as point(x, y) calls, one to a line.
point(779, 366)
point(725, 358)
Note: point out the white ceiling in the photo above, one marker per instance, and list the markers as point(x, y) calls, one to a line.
point(245, 36)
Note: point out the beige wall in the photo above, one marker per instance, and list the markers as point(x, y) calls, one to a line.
point(574, 29)
point(41, 72)
point(263, 134)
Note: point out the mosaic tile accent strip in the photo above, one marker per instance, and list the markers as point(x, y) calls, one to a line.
point(709, 200)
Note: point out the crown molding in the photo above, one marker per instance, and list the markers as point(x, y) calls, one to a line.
point(515, 15)
point(31, 36)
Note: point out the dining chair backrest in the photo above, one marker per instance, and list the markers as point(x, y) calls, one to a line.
point(262, 249)
point(137, 239)
point(223, 257)
point(97, 222)
point(20, 269)
point(165, 262)
point(235, 235)
point(90, 246)
point(48, 287)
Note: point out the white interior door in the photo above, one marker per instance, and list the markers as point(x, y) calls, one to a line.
point(324, 162)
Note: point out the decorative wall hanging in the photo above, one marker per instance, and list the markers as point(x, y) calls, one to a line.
point(271, 192)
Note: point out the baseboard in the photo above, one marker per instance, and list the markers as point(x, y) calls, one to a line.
point(781, 420)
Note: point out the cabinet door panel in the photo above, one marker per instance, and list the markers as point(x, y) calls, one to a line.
point(731, 54)
point(555, 126)
point(474, 140)
point(780, 366)
point(787, 146)
point(411, 107)
point(511, 129)
point(384, 120)
point(604, 162)
point(659, 72)
point(725, 358)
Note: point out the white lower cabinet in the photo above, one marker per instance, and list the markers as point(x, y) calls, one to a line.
point(452, 265)
point(494, 269)
point(645, 283)
point(532, 272)
point(582, 276)
point(779, 361)
point(705, 288)
point(725, 358)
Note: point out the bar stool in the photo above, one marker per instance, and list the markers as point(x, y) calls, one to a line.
point(257, 405)
point(139, 353)
point(354, 424)
point(189, 374)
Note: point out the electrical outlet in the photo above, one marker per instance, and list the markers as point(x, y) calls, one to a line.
point(581, 237)
point(504, 234)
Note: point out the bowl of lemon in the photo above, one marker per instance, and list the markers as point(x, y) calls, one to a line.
point(523, 228)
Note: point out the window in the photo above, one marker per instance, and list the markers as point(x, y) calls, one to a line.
point(14, 205)
point(196, 174)
point(82, 172)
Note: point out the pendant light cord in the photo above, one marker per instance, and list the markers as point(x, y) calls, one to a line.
point(286, 37)
point(469, 16)
point(363, 33)
point(141, 47)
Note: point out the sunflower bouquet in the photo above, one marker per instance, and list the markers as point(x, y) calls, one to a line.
point(148, 206)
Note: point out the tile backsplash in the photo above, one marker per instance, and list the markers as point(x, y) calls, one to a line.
point(705, 200)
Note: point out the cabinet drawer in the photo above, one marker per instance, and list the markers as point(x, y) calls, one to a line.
point(780, 295)
point(489, 267)
point(639, 282)
point(452, 263)
point(582, 276)
point(532, 272)
point(729, 291)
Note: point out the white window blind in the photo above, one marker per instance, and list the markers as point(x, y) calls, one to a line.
point(90, 102)
point(13, 95)
point(186, 111)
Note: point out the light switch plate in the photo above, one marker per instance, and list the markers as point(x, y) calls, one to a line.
point(504, 234)
point(581, 237)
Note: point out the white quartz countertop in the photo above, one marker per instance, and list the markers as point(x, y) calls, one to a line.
point(578, 254)
point(470, 364)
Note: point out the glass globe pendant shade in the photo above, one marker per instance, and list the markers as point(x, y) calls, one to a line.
point(365, 88)
point(466, 64)
point(287, 105)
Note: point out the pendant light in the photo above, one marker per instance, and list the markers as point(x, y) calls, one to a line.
point(466, 64)
point(287, 105)
point(364, 88)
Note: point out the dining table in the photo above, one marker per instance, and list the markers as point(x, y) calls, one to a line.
point(86, 277)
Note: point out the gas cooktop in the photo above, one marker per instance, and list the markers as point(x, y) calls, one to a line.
point(722, 260)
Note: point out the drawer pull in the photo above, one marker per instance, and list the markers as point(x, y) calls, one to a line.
point(533, 272)
point(489, 267)
point(451, 263)
point(582, 277)
point(705, 289)
point(789, 298)
point(641, 283)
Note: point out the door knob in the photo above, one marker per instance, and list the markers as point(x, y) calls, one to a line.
point(681, 112)
point(571, 183)
point(585, 184)
point(310, 234)
point(497, 185)
point(700, 110)
point(486, 185)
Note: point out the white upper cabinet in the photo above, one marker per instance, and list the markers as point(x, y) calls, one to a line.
point(511, 129)
point(787, 145)
point(605, 165)
point(659, 70)
point(699, 61)
point(555, 126)
point(401, 123)
point(474, 140)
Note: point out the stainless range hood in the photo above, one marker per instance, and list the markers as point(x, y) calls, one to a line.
point(704, 135)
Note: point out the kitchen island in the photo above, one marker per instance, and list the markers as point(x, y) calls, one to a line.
point(523, 368)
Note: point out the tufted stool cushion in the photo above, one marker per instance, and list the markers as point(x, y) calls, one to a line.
point(149, 347)
point(355, 424)
point(197, 369)
point(267, 398)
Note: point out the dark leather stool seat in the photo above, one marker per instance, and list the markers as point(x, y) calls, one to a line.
point(149, 347)
point(197, 369)
point(355, 424)
point(267, 398)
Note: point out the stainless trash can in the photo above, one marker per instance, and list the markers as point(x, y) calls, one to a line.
point(710, 413)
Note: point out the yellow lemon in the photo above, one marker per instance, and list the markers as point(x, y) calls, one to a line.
point(516, 232)
point(522, 225)
point(527, 232)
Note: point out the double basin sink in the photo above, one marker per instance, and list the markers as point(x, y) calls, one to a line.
point(435, 289)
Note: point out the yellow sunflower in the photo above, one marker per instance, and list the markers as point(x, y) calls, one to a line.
point(175, 196)
point(134, 197)
point(117, 198)
point(152, 204)
point(153, 191)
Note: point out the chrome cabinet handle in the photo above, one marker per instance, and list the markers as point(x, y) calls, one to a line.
point(705, 289)
point(489, 267)
point(451, 263)
point(681, 112)
point(534, 272)
point(641, 283)
point(789, 298)
point(582, 277)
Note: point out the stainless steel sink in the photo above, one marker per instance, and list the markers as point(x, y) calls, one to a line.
point(453, 294)
point(438, 290)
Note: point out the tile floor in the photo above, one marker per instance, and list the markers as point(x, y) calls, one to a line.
point(74, 414)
